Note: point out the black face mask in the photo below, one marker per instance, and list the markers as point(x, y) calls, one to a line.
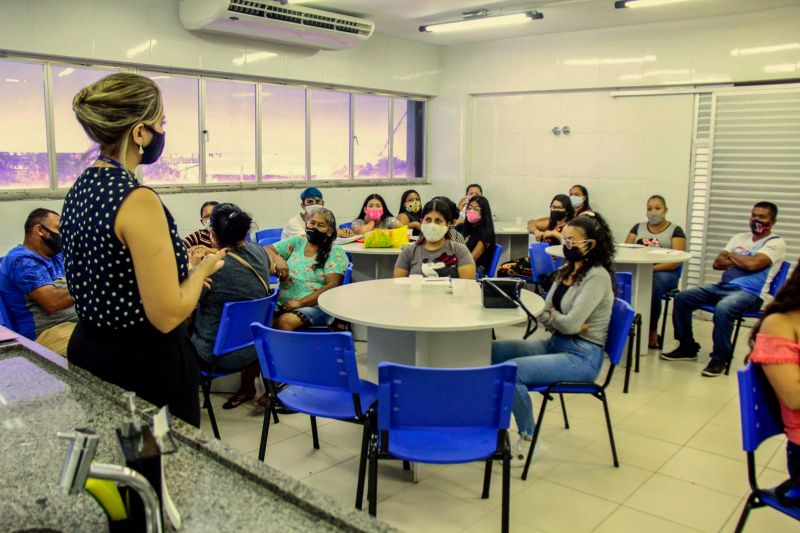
point(557, 216)
point(53, 242)
point(573, 255)
point(152, 152)
point(315, 236)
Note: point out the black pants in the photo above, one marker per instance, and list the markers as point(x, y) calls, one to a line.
point(159, 367)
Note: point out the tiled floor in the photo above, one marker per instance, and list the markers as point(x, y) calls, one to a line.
point(678, 439)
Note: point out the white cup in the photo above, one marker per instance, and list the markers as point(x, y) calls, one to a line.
point(518, 220)
point(416, 282)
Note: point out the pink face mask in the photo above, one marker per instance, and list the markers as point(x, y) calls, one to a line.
point(474, 217)
point(374, 214)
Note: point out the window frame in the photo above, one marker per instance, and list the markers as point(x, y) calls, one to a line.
point(55, 192)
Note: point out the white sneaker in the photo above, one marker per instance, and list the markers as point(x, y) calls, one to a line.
point(519, 451)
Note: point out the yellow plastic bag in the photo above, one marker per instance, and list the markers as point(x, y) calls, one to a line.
point(386, 238)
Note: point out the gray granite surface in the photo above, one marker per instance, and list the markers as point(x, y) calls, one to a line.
point(214, 487)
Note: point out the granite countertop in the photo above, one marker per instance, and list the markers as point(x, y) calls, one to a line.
point(214, 487)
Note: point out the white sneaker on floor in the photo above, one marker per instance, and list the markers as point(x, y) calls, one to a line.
point(519, 451)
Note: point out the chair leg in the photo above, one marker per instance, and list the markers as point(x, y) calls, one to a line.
point(206, 386)
point(628, 361)
point(487, 479)
point(314, 434)
point(745, 513)
point(406, 466)
point(733, 344)
point(535, 437)
point(504, 528)
point(664, 322)
point(262, 447)
point(372, 480)
point(638, 341)
point(602, 397)
point(564, 411)
point(362, 465)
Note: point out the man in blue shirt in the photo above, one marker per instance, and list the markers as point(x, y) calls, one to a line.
point(33, 286)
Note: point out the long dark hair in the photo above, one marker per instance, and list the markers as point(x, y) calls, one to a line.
point(602, 254)
point(386, 213)
point(567, 204)
point(324, 248)
point(586, 206)
point(442, 205)
point(787, 299)
point(230, 224)
point(403, 202)
point(484, 227)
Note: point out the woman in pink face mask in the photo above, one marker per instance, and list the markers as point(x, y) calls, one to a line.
point(374, 214)
point(478, 230)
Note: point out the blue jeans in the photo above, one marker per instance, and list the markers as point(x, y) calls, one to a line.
point(314, 316)
point(545, 361)
point(730, 301)
point(663, 282)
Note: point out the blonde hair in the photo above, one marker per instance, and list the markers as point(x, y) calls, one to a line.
point(110, 108)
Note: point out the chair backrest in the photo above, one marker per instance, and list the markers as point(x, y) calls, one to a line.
point(272, 233)
point(234, 331)
point(346, 225)
point(759, 407)
point(5, 317)
point(416, 397)
point(348, 274)
point(624, 288)
point(319, 360)
point(780, 278)
point(498, 251)
point(619, 327)
point(541, 263)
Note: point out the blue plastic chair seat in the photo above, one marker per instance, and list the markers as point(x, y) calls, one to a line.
point(768, 497)
point(578, 388)
point(435, 446)
point(327, 403)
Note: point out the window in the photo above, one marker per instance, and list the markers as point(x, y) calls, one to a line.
point(74, 150)
point(283, 132)
point(330, 135)
point(23, 142)
point(180, 162)
point(230, 141)
point(408, 139)
point(370, 136)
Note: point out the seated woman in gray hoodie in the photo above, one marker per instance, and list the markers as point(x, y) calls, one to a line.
point(577, 312)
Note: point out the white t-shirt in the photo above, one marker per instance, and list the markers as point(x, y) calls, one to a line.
point(774, 248)
point(295, 227)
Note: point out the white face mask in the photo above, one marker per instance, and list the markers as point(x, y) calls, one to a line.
point(311, 209)
point(433, 232)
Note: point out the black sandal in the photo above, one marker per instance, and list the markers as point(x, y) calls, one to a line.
point(656, 345)
point(237, 399)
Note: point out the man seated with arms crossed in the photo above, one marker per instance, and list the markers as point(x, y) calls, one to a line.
point(33, 285)
point(750, 261)
point(202, 237)
point(310, 201)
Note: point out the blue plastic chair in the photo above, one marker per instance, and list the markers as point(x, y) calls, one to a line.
point(346, 225)
point(233, 334)
point(624, 291)
point(272, 233)
point(322, 376)
point(761, 419)
point(542, 264)
point(774, 287)
point(444, 416)
point(618, 332)
point(5, 316)
point(498, 251)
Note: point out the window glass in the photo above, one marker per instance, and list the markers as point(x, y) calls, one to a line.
point(408, 127)
point(370, 136)
point(23, 139)
point(330, 132)
point(74, 150)
point(283, 132)
point(231, 137)
point(180, 162)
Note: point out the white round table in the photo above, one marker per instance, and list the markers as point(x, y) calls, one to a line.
point(431, 327)
point(514, 238)
point(639, 261)
point(371, 263)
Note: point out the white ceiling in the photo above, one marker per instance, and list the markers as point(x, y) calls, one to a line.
point(402, 18)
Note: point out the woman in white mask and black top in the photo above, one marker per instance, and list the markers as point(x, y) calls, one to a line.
point(435, 254)
point(661, 233)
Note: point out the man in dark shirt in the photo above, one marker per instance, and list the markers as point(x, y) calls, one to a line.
point(201, 237)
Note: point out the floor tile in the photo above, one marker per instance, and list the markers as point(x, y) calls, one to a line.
point(634, 449)
point(340, 481)
point(599, 477)
point(423, 508)
point(627, 520)
point(297, 457)
point(491, 524)
point(708, 470)
point(466, 482)
point(551, 507)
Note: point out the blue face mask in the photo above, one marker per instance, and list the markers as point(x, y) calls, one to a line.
point(152, 152)
point(576, 201)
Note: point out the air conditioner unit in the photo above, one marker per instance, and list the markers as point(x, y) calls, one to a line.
point(271, 20)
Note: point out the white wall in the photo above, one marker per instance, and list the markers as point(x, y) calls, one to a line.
point(111, 30)
point(506, 153)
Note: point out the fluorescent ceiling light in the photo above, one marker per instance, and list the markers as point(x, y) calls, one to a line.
point(632, 4)
point(139, 48)
point(66, 72)
point(482, 22)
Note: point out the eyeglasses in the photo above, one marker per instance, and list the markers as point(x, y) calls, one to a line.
point(571, 243)
point(477, 209)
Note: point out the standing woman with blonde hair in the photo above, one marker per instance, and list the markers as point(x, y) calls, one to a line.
point(126, 266)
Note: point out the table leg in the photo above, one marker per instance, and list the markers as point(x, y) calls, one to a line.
point(642, 296)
